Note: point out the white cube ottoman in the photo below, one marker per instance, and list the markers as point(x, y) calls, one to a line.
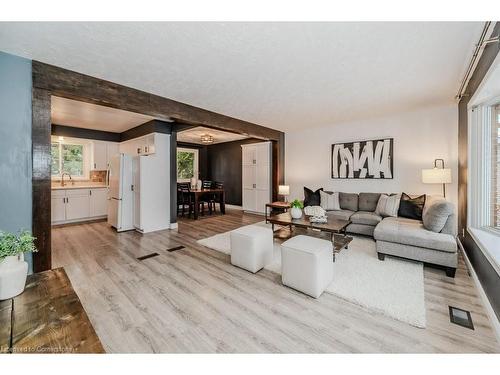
point(307, 264)
point(251, 247)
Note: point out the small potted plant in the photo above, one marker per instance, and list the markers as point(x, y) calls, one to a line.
point(296, 209)
point(13, 268)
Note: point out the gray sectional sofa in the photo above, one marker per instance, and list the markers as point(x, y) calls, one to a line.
point(398, 236)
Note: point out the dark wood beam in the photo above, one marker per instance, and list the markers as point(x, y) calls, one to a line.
point(77, 86)
point(41, 158)
point(70, 131)
point(153, 126)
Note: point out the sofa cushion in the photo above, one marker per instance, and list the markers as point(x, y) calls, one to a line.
point(388, 205)
point(342, 214)
point(329, 201)
point(411, 208)
point(348, 201)
point(312, 198)
point(368, 201)
point(365, 217)
point(436, 214)
point(412, 232)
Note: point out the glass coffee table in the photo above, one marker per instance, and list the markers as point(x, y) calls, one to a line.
point(336, 227)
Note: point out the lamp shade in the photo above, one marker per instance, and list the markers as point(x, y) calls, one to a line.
point(436, 176)
point(284, 190)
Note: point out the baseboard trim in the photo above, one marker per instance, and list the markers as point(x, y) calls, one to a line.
point(489, 309)
point(234, 207)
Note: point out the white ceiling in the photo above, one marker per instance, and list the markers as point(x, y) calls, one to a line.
point(89, 116)
point(282, 75)
point(193, 135)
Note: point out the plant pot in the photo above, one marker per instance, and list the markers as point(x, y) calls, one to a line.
point(13, 273)
point(296, 213)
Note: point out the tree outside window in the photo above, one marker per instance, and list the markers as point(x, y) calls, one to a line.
point(187, 164)
point(67, 158)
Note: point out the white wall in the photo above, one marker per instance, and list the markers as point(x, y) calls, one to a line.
point(419, 138)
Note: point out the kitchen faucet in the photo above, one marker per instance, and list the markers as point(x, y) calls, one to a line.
point(62, 177)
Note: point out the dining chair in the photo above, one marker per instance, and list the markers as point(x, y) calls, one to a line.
point(206, 198)
point(216, 197)
point(184, 198)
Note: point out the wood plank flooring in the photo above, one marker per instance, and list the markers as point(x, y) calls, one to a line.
point(193, 301)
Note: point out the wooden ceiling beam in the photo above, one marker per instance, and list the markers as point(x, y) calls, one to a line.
point(77, 86)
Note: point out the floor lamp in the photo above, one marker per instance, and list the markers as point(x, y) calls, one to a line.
point(437, 175)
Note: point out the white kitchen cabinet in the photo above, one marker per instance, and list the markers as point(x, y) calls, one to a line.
point(58, 208)
point(99, 156)
point(112, 148)
point(248, 156)
point(78, 204)
point(98, 202)
point(139, 146)
point(256, 176)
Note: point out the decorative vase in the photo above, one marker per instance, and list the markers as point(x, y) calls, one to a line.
point(296, 213)
point(13, 273)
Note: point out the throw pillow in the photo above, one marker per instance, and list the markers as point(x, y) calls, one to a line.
point(329, 201)
point(436, 215)
point(411, 208)
point(312, 198)
point(388, 205)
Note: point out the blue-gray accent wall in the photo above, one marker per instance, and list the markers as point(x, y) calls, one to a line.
point(15, 145)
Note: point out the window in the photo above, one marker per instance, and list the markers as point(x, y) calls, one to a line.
point(495, 169)
point(187, 164)
point(69, 158)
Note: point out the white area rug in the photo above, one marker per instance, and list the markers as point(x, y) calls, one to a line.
point(394, 287)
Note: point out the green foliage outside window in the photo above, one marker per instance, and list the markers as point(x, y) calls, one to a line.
point(67, 158)
point(55, 158)
point(185, 165)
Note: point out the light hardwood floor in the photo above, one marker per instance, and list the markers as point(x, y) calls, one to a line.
point(193, 300)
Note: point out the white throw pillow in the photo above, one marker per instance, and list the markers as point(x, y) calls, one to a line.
point(388, 205)
point(329, 201)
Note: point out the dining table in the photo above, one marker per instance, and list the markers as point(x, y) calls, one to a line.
point(196, 194)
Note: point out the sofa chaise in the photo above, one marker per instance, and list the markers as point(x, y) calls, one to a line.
point(398, 236)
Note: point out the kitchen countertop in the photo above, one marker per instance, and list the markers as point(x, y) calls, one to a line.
point(69, 186)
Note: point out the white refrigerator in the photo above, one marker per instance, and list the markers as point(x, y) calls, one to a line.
point(120, 194)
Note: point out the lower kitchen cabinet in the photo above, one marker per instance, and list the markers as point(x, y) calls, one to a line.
point(58, 210)
point(98, 202)
point(73, 205)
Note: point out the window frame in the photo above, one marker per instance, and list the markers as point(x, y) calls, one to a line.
point(196, 162)
point(86, 157)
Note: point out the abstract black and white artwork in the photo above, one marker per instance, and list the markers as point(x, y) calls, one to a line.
point(363, 159)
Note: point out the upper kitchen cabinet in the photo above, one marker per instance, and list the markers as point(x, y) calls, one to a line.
point(102, 153)
point(99, 156)
point(139, 146)
point(112, 148)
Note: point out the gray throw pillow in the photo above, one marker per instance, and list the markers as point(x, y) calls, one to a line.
point(436, 215)
point(388, 205)
point(329, 201)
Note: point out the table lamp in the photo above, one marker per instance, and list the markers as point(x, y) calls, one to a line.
point(437, 175)
point(284, 190)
